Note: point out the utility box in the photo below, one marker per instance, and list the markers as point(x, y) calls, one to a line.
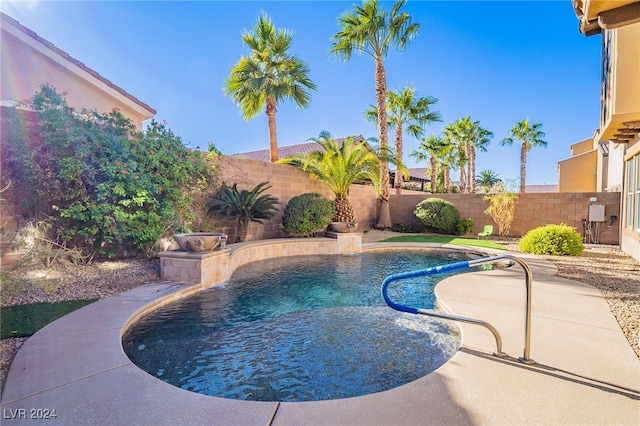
point(596, 213)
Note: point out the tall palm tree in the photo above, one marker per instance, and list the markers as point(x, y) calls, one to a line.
point(245, 206)
point(487, 179)
point(431, 148)
point(339, 167)
point(405, 108)
point(458, 134)
point(531, 137)
point(268, 76)
point(374, 31)
point(480, 138)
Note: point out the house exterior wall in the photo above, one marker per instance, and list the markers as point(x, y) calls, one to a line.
point(578, 173)
point(581, 147)
point(630, 238)
point(27, 62)
point(615, 171)
point(620, 102)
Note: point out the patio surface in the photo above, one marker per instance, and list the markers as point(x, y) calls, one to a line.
point(585, 371)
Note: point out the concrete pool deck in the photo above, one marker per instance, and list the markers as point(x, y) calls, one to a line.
point(585, 373)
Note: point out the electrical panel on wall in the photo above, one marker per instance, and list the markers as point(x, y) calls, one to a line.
point(596, 213)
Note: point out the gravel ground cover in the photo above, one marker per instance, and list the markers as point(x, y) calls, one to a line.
point(607, 268)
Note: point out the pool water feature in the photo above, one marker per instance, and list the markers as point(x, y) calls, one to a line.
point(303, 328)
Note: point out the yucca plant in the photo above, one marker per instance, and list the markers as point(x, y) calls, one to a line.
point(244, 206)
point(339, 166)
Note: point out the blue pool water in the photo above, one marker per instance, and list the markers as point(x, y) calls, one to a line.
point(303, 328)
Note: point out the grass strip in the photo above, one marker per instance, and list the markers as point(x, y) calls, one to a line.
point(443, 239)
point(25, 320)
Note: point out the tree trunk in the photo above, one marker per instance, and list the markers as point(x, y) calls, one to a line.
point(472, 169)
point(344, 211)
point(241, 230)
point(273, 138)
point(469, 159)
point(384, 217)
point(398, 176)
point(434, 175)
point(447, 180)
point(462, 166)
point(523, 167)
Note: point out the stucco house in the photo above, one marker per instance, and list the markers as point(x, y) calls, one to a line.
point(27, 61)
point(610, 159)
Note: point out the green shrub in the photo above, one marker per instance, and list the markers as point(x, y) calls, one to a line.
point(103, 187)
point(405, 228)
point(438, 214)
point(552, 239)
point(464, 226)
point(307, 214)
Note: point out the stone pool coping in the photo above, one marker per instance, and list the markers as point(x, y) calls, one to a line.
point(586, 372)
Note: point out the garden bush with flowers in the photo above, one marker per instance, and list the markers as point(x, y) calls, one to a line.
point(97, 182)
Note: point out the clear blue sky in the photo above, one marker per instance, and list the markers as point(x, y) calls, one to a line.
point(498, 62)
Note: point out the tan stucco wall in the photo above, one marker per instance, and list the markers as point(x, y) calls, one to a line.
point(26, 64)
point(578, 173)
point(582, 147)
point(623, 102)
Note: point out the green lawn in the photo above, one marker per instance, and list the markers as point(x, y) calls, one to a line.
point(443, 239)
point(25, 320)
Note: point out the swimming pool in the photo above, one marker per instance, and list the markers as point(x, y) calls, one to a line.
point(302, 328)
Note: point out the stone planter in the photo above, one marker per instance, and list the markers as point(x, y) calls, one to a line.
point(198, 242)
point(344, 227)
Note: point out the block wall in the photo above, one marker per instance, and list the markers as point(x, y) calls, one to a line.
point(286, 181)
point(532, 210)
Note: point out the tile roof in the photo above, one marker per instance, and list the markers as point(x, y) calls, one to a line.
point(416, 174)
point(287, 151)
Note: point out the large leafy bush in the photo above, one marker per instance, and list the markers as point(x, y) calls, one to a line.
point(552, 239)
point(101, 185)
point(438, 214)
point(307, 214)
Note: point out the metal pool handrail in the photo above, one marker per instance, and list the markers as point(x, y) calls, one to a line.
point(466, 265)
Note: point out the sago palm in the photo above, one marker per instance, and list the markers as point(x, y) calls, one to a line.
point(374, 31)
point(244, 206)
point(269, 76)
point(531, 137)
point(339, 166)
point(405, 108)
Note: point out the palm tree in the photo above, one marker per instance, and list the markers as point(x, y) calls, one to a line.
point(458, 134)
point(404, 108)
point(531, 137)
point(479, 140)
point(468, 136)
point(244, 205)
point(431, 148)
point(487, 179)
point(268, 76)
point(340, 166)
point(373, 31)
